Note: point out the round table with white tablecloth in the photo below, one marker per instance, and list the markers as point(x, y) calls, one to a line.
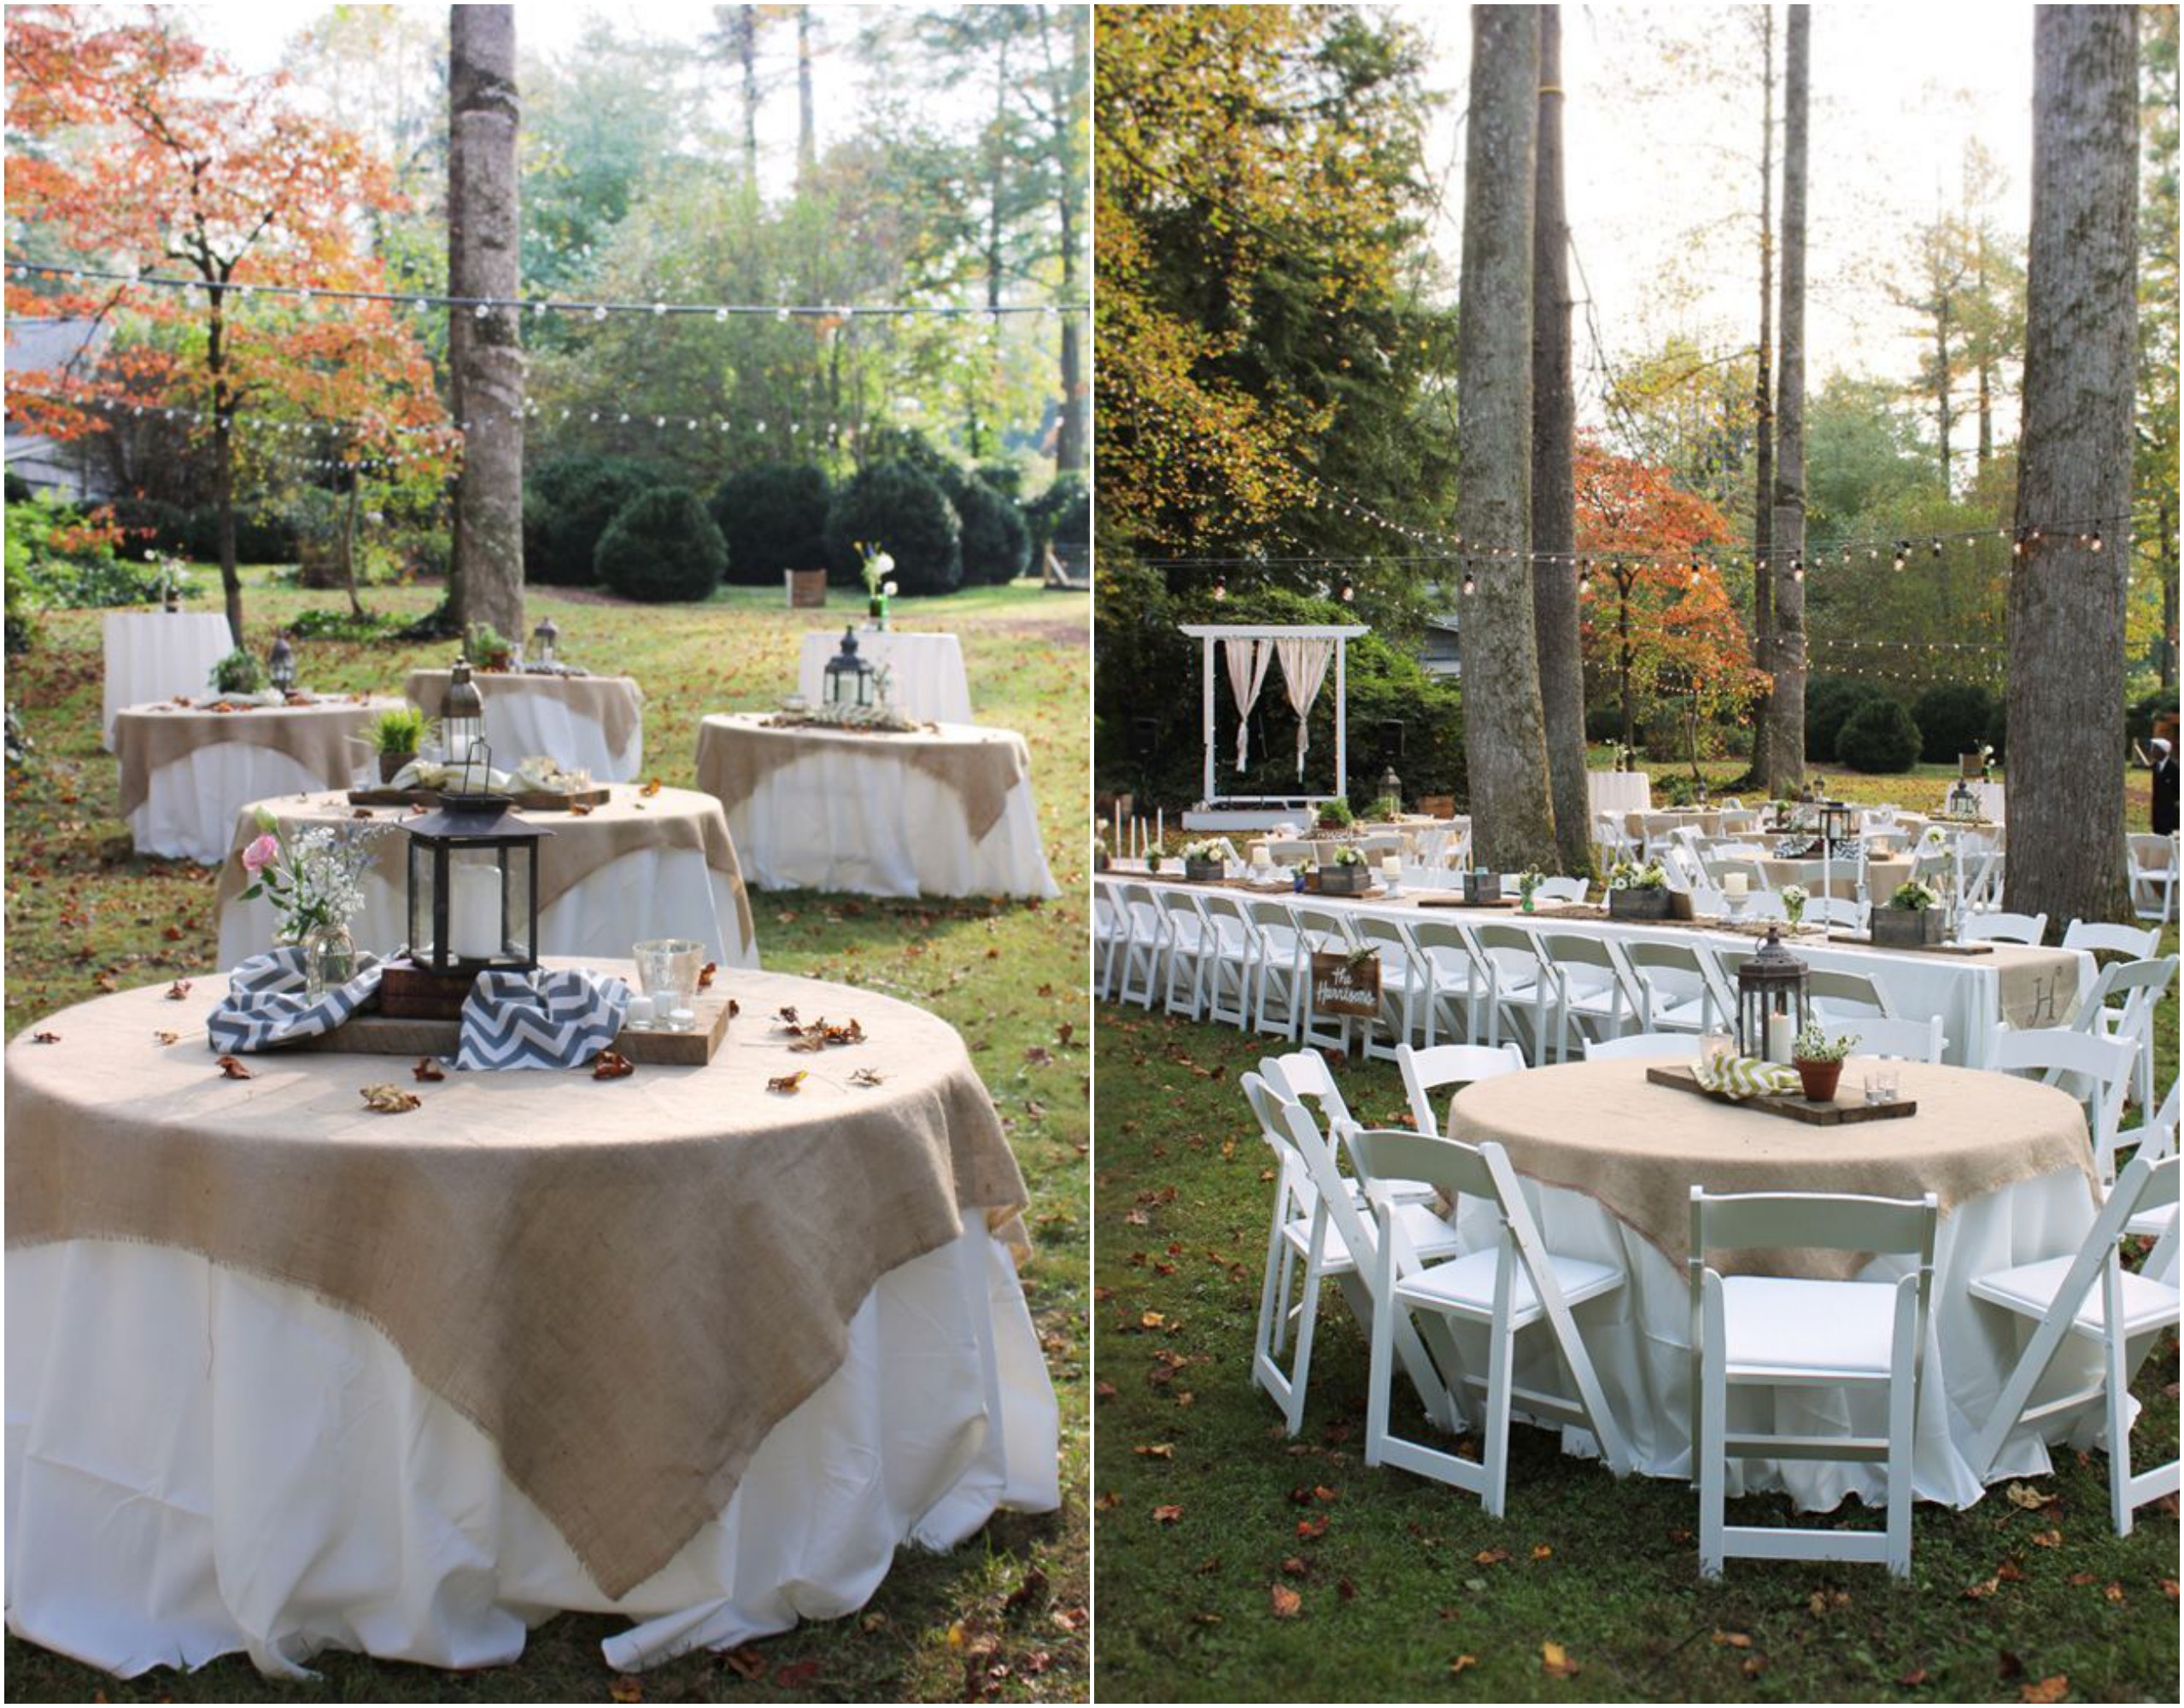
point(154, 655)
point(187, 769)
point(1619, 791)
point(638, 866)
point(285, 1375)
point(1611, 1161)
point(925, 678)
point(584, 723)
point(941, 810)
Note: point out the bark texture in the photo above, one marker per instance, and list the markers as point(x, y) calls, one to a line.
point(1072, 439)
point(1553, 489)
point(807, 129)
point(2066, 600)
point(1763, 531)
point(1505, 740)
point(485, 351)
point(1784, 748)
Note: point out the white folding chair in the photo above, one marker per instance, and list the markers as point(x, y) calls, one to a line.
point(1979, 864)
point(1317, 1219)
point(2058, 1294)
point(2002, 927)
point(1278, 999)
point(1109, 931)
point(1403, 984)
point(2142, 985)
point(2113, 940)
point(1645, 1046)
point(1189, 945)
point(1845, 911)
point(1680, 986)
point(1899, 1039)
point(1426, 1071)
point(1455, 973)
point(1776, 1332)
point(1231, 965)
point(1303, 1076)
point(2152, 874)
point(1612, 837)
point(1320, 931)
point(2096, 1071)
point(1838, 996)
point(1516, 985)
point(1144, 944)
point(2155, 1139)
point(1506, 1287)
point(1592, 986)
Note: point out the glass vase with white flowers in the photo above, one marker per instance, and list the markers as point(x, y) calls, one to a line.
point(878, 569)
point(313, 882)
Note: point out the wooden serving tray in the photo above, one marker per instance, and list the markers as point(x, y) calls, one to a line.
point(528, 800)
point(378, 1034)
point(1920, 948)
point(1790, 1107)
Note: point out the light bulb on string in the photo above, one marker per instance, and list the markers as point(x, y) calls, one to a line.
point(1348, 591)
point(1471, 581)
point(1797, 571)
point(1585, 578)
point(1221, 589)
point(1937, 545)
point(2093, 542)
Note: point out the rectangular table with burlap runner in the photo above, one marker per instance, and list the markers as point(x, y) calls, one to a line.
point(320, 737)
point(625, 1284)
point(737, 751)
point(615, 704)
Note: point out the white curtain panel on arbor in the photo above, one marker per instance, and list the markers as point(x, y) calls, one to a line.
point(1303, 667)
point(1247, 674)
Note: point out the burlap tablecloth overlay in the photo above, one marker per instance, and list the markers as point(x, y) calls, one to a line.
point(1661, 820)
point(614, 703)
point(1882, 876)
point(317, 737)
point(625, 1283)
point(627, 823)
point(736, 752)
point(1600, 1128)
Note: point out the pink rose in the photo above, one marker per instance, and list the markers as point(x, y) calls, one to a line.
point(259, 855)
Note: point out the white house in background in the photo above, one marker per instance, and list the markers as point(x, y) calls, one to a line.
point(55, 348)
point(1439, 652)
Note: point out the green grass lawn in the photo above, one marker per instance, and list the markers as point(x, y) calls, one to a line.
point(1001, 1617)
point(1208, 1517)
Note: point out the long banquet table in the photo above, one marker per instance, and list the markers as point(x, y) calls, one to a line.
point(1610, 1161)
point(284, 1374)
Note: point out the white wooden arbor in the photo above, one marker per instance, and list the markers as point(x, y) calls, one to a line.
point(1241, 812)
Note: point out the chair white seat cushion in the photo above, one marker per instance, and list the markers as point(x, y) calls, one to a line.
point(1804, 1330)
point(1467, 1285)
point(1429, 1236)
point(2151, 1224)
point(2030, 1289)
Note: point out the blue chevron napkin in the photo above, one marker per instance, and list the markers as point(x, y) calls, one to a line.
point(265, 1004)
point(558, 1018)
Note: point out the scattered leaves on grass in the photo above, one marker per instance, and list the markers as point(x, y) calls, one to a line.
point(2051, 1689)
point(1287, 1603)
point(1732, 1639)
point(1155, 1450)
point(612, 1065)
point(788, 1085)
point(2031, 1499)
point(1166, 1515)
point(388, 1100)
point(2047, 1539)
point(1557, 1662)
point(1463, 1663)
point(1493, 1556)
point(625, 1687)
point(1542, 1551)
point(232, 1069)
point(1913, 1679)
point(1981, 1590)
point(1311, 1529)
point(746, 1663)
point(796, 1676)
point(1038, 1055)
point(428, 1070)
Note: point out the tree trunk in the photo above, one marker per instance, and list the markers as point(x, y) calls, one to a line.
point(484, 351)
point(348, 543)
point(1762, 533)
point(223, 461)
point(1554, 490)
point(1784, 745)
point(1985, 344)
point(2166, 647)
point(807, 129)
point(2074, 470)
point(1505, 737)
point(743, 28)
point(1072, 443)
point(1943, 410)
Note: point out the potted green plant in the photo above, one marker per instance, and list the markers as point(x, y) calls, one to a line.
point(1347, 874)
point(487, 648)
point(1202, 861)
point(1911, 920)
point(397, 736)
point(238, 674)
point(1818, 1060)
point(1637, 891)
point(1335, 815)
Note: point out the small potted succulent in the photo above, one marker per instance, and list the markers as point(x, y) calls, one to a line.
point(239, 676)
point(1818, 1060)
point(1202, 861)
point(1794, 898)
point(1911, 920)
point(1335, 815)
point(1637, 892)
point(397, 736)
point(1346, 875)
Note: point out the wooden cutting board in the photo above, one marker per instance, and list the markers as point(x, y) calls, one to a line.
point(378, 1034)
point(528, 800)
point(1789, 1106)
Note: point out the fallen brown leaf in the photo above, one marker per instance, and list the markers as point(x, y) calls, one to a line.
point(2031, 1499)
point(178, 991)
point(46, 1037)
point(1732, 1639)
point(388, 1100)
point(2052, 1689)
point(625, 1687)
point(868, 1076)
point(1155, 1450)
point(1287, 1603)
point(232, 1069)
point(746, 1663)
point(168, 1037)
point(1557, 1662)
point(788, 1085)
point(1166, 1515)
point(706, 974)
point(1463, 1663)
point(428, 1070)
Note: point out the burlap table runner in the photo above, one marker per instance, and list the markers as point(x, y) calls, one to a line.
point(629, 821)
point(625, 1283)
point(736, 752)
point(1599, 1128)
point(1661, 820)
point(614, 703)
point(317, 737)
point(1882, 876)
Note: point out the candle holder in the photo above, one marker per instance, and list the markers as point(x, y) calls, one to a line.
point(1771, 984)
point(473, 904)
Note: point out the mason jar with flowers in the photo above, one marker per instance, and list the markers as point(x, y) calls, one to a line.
point(1794, 897)
point(1528, 883)
point(878, 569)
point(313, 882)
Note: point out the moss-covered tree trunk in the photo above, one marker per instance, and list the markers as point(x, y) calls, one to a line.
point(2074, 470)
point(1763, 531)
point(1554, 486)
point(484, 351)
point(1783, 750)
point(1505, 737)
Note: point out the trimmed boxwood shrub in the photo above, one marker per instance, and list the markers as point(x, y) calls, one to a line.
point(580, 496)
point(1062, 501)
point(774, 518)
point(1829, 703)
point(892, 505)
point(1954, 718)
point(663, 546)
point(1879, 737)
point(996, 543)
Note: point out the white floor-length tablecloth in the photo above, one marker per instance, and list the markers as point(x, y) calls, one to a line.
point(199, 1462)
point(154, 655)
point(926, 679)
point(1619, 791)
point(527, 713)
point(663, 891)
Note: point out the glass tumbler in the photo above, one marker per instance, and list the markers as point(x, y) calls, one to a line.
point(1881, 1082)
point(667, 972)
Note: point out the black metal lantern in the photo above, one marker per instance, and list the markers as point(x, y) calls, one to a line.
point(280, 664)
point(1838, 820)
point(545, 641)
point(1392, 789)
point(462, 716)
point(473, 888)
point(1770, 984)
point(849, 678)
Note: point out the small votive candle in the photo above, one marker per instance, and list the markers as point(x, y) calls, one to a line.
point(1261, 855)
point(681, 1019)
point(1736, 884)
point(1782, 1035)
point(640, 1013)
